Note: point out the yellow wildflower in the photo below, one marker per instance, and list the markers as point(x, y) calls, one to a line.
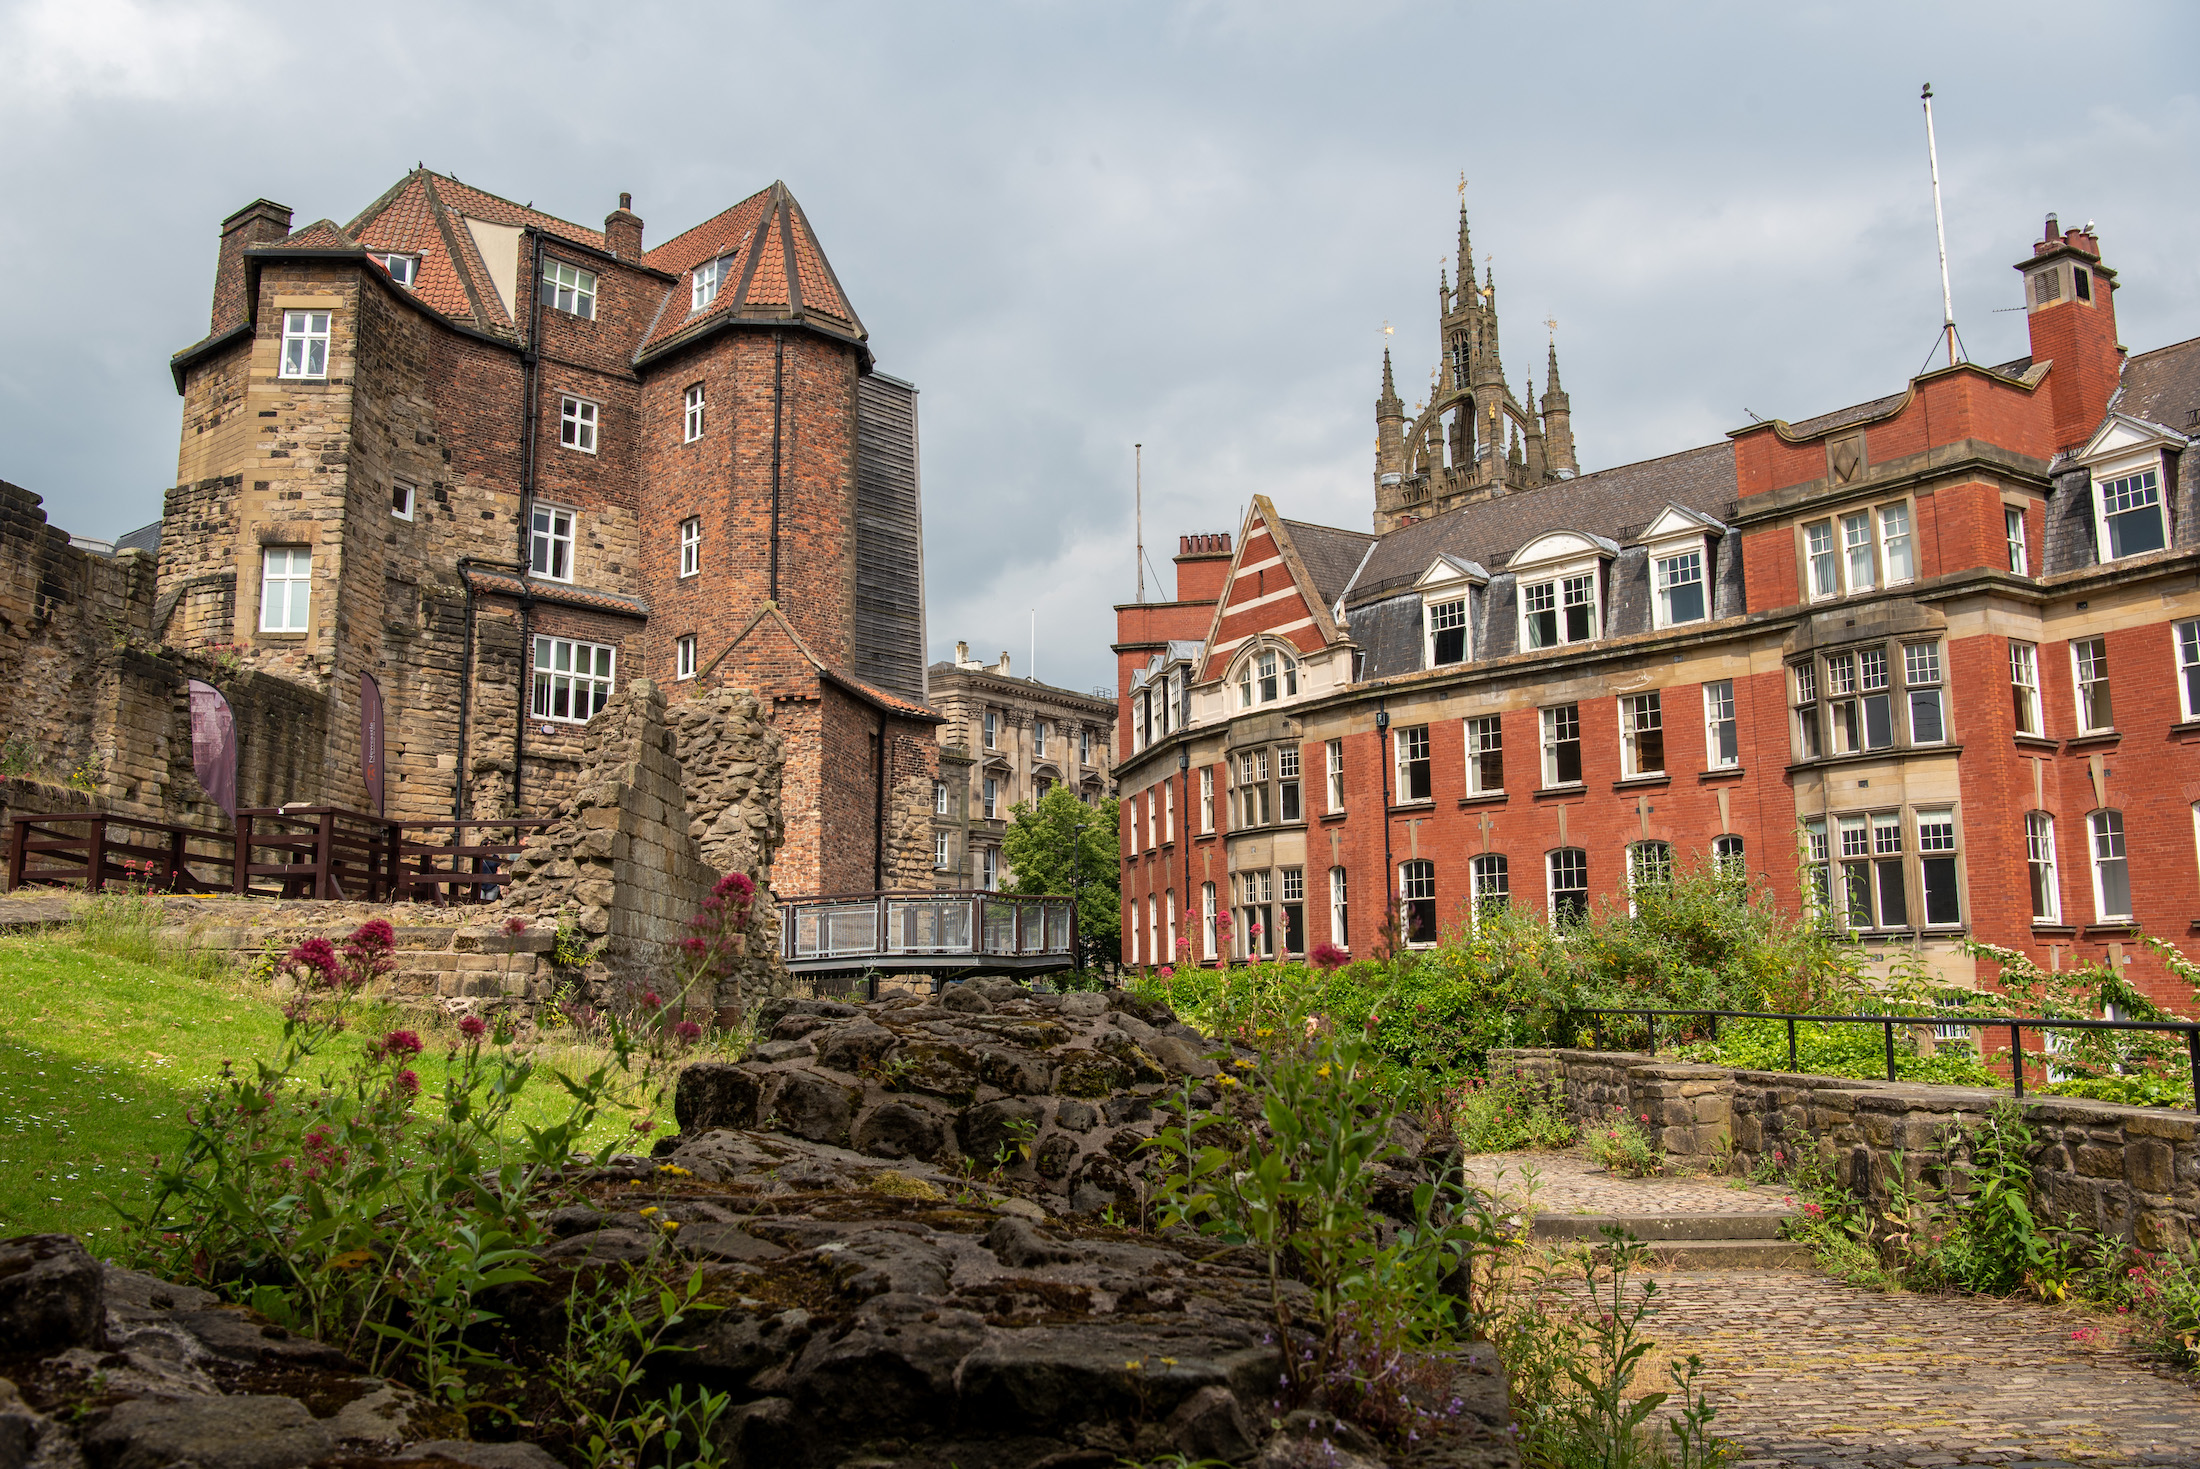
point(1228, 1080)
point(1242, 1064)
point(649, 1211)
point(674, 1169)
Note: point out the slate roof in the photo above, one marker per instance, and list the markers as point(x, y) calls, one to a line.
point(1331, 555)
point(1619, 503)
point(2162, 386)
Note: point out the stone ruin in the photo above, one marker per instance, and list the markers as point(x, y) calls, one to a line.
point(909, 1213)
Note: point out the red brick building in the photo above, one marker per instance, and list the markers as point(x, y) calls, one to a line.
point(1931, 662)
point(504, 463)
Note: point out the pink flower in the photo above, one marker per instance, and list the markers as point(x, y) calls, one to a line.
point(650, 1000)
point(402, 1043)
point(515, 925)
point(406, 1081)
point(687, 1032)
point(735, 885)
point(693, 945)
point(1168, 971)
point(1329, 956)
point(318, 957)
point(473, 1027)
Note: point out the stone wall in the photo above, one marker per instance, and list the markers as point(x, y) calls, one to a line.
point(623, 858)
point(2131, 1171)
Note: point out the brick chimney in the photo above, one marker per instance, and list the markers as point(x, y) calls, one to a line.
point(2070, 306)
point(622, 230)
point(1202, 566)
point(258, 223)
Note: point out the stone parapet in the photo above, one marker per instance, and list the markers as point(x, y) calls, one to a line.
point(2128, 1171)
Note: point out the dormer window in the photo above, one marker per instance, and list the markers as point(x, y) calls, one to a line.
point(1446, 610)
point(2129, 460)
point(403, 269)
point(703, 288)
point(1561, 588)
point(1679, 580)
point(1266, 676)
point(1447, 632)
point(2131, 514)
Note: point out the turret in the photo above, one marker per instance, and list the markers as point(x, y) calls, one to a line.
point(1558, 425)
point(1390, 449)
point(1534, 442)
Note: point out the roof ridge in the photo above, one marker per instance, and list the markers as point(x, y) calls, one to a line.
point(704, 223)
point(2165, 347)
point(514, 204)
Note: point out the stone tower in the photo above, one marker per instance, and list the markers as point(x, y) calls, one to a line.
point(1474, 440)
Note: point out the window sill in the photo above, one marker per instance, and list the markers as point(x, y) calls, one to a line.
point(2188, 730)
point(282, 637)
point(2047, 746)
point(1427, 804)
point(1485, 798)
point(2088, 741)
point(1329, 817)
point(1643, 782)
point(1568, 788)
point(2112, 930)
point(2053, 930)
point(1724, 772)
point(1860, 757)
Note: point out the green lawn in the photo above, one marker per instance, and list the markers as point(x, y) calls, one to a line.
point(100, 1057)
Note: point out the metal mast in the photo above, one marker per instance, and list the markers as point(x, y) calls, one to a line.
point(1940, 229)
point(1139, 481)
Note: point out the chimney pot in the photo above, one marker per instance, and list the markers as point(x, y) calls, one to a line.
point(626, 200)
point(2054, 231)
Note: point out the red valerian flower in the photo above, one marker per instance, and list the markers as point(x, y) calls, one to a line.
point(687, 1032)
point(650, 1000)
point(1329, 956)
point(402, 1043)
point(317, 956)
point(473, 1027)
point(515, 925)
point(406, 1081)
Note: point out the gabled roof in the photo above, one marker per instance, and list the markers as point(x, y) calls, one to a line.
point(2121, 432)
point(1313, 608)
point(769, 622)
point(2162, 386)
point(1331, 555)
point(773, 270)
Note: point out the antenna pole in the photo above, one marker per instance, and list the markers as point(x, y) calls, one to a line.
point(1940, 229)
point(1033, 675)
point(1140, 481)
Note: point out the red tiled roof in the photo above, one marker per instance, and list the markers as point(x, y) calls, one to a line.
point(322, 234)
point(503, 584)
point(774, 270)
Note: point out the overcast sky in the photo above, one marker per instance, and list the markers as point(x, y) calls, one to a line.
point(1080, 226)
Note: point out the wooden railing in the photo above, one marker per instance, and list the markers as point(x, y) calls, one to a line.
point(324, 852)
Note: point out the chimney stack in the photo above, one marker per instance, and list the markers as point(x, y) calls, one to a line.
point(622, 230)
point(258, 223)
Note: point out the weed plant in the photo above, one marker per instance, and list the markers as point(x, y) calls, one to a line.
point(1621, 1145)
point(1505, 1114)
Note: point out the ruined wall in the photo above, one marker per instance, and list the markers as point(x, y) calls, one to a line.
point(2130, 1171)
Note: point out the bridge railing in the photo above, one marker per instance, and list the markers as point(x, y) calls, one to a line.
point(925, 924)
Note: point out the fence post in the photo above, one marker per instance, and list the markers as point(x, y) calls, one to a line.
point(19, 829)
point(2016, 1057)
point(95, 874)
point(1650, 1020)
point(175, 859)
point(1714, 1018)
point(1890, 1050)
point(1792, 1066)
point(324, 857)
point(2192, 1050)
point(240, 856)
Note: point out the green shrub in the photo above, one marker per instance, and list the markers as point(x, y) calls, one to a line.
point(2148, 1089)
point(1623, 1147)
point(1505, 1114)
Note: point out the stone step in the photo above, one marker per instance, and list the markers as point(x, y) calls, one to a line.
point(1730, 1254)
point(1656, 1229)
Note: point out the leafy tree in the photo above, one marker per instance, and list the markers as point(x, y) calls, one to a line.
point(1063, 846)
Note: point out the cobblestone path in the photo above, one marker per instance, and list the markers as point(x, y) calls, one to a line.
point(1807, 1371)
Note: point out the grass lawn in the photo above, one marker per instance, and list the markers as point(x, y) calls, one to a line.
point(101, 1056)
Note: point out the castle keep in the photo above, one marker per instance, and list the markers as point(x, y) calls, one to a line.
point(503, 464)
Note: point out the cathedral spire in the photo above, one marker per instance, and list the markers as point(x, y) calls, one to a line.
point(1551, 386)
point(1390, 398)
point(1466, 248)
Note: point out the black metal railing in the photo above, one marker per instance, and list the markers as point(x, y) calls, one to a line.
point(2015, 1025)
point(923, 924)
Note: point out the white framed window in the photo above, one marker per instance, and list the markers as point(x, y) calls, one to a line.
point(2024, 687)
point(1142, 720)
point(570, 289)
point(1561, 745)
point(941, 801)
point(1084, 747)
point(1642, 734)
point(691, 418)
point(1825, 564)
point(1340, 932)
point(1921, 682)
point(1292, 910)
point(577, 424)
point(1153, 929)
point(403, 269)
point(305, 344)
point(1873, 872)
point(2131, 515)
point(573, 680)
point(1252, 789)
point(1417, 902)
point(989, 875)
point(1206, 798)
point(703, 285)
point(401, 500)
point(1447, 632)
point(1809, 739)
point(2111, 868)
point(1288, 804)
point(992, 729)
point(691, 545)
point(1266, 675)
point(1894, 544)
point(1333, 753)
point(1649, 865)
point(2089, 667)
point(550, 542)
point(1856, 544)
point(1485, 739)
point(286, 588)
point(2185, 641)
point(1207, 920)
point(683, 657)
point(940, 843)
point(1039, 732)
point(1168, 812)
point(1680, 585)
point(1722, 744)
point(1562, 610)
point(1817, 868)
point(2020, 554)
point(1490, 876)
point(1151, 818)
point(1940, 886)
point(2039, 858)
point(1727, 855)
point(1413, 771)
point(993, 808)
point(1567, 873)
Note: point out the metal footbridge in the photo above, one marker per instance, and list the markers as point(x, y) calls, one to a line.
point(940, 935)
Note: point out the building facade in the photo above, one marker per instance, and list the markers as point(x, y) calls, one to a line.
point(1929, 664)
point(502, 464)
point(1004, 741)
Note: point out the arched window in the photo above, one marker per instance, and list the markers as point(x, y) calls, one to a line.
point(1417, 901)
point(1266, 675)
point(1492, 879)
point(1649, 865)
point(1568, 872)
point(1726, 855)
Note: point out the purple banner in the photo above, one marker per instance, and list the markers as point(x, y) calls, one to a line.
point(370, 739)
point(214, 746)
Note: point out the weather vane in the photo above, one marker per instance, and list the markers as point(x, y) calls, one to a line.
point(1552, 323)
point(1462, 183)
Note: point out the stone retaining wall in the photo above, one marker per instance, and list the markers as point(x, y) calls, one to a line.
point(2131, 1171)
